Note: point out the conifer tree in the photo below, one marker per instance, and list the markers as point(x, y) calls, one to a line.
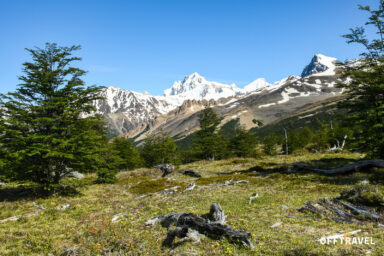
point(270, 144)
point(159, 149)
point(109, 163)
point(365, 86)
point(130, 156)
point(210, 143)
point(243, 142)
point(46, 126)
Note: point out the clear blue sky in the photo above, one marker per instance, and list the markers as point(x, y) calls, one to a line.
point(146, 45)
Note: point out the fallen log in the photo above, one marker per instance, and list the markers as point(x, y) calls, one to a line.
point(333, 208)
point(340, 211)
point(359, 211)
point(344, 169)
point(211, 225)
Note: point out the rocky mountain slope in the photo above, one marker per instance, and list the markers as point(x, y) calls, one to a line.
point(135, 115)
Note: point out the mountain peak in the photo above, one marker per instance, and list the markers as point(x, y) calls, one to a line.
point(258, 84)
point(195, 78)
point(320, 64)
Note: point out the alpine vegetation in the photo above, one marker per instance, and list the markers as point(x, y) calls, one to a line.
point(44, 134)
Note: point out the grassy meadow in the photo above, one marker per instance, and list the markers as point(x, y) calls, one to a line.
point(85, 227)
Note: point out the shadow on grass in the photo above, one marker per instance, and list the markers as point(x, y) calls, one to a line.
point(19, 193)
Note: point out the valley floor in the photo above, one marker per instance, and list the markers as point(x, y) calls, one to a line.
point(86, 226)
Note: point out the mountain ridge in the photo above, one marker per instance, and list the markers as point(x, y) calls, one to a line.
point(135, 115)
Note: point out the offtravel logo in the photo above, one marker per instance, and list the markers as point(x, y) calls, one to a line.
point(347, 240)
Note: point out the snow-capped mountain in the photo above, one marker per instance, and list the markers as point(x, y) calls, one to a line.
point(320, 64)
point(136, 114)
point(197, 87)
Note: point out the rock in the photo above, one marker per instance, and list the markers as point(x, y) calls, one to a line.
point(73, 251)
point(276, 224)
point(63, 207)
point(119, 217)
point(233, 182)
point(191, 173)
point(170, 190)
point(284, 207)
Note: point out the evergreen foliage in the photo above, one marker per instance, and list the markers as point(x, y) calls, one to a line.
point(109, 164)
point(243, 143)
point(209, 143)
point(130, 156)
point(270, 144)
point(159, 149)
point(365, 86)
point(297, 139)
point(45, 126)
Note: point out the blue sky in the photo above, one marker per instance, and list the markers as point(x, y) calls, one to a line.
point(146, 45)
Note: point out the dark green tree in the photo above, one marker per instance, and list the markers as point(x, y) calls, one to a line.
point(321, 139)
point(270, 144)
point(299, 139)
point(159, 149)
point(243, 143)
point(47, 127)
point(130, 156)
point(209, 143)
point(108, 164)
point(365, 87)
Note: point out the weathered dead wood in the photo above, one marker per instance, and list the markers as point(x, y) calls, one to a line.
point(360, 211)
point(190, 187)
point(344, 169)
point(343, 212)
point(310, 207)
point(216, 214)
point(333, 208)
point(211, 225)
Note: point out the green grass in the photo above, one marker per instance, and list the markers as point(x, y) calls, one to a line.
point(87, 225)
